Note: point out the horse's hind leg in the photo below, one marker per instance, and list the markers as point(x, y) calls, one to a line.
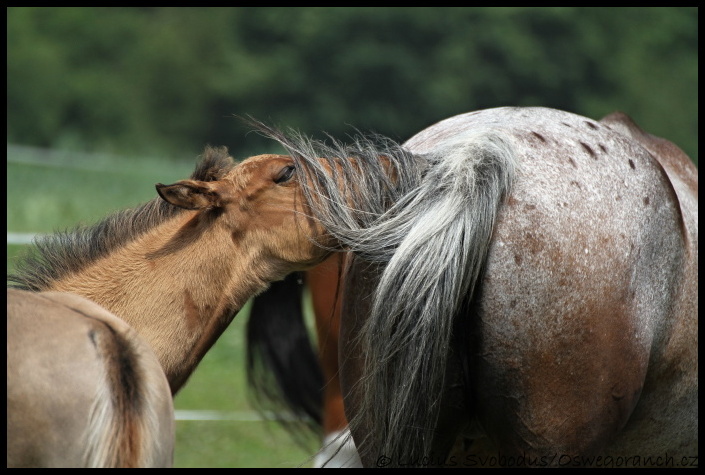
point(555, 392)
point(326, 290)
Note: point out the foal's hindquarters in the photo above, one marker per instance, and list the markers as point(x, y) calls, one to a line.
point(83, 389)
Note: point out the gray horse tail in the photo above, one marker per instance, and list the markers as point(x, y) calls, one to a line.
point(426, 220)
point(448, 223)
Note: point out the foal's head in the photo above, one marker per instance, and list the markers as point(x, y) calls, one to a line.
point(260, 204)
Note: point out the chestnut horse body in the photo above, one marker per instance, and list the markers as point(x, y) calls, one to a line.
point(528, 299)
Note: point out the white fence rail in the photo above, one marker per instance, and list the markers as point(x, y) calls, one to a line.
point(21, 238)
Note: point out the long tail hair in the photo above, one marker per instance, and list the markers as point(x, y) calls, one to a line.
point(427, 220)
point(283, 370)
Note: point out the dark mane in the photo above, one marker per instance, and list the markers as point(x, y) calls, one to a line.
point(57, 255)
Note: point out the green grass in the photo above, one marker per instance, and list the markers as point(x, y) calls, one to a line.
point(48, 194)
point(46, 197)
point(219, 384)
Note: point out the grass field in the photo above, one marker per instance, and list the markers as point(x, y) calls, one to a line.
point(50, 191)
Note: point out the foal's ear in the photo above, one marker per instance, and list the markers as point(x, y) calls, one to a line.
point(190, 194)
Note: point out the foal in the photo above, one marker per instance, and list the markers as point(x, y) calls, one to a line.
point(175, 271)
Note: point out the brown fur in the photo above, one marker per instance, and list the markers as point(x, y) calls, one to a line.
point(178, 271)
point(175, 271)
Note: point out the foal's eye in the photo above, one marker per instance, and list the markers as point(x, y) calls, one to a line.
point(285, 174)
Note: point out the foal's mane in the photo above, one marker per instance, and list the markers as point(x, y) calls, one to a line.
point(63, 253)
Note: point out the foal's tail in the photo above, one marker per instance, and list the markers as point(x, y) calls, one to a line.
point(427, 220)
point(283, 370)
point(131, 422)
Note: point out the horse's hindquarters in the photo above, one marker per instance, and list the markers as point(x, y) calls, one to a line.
point(584, 327)
point(64, 406)
point(579, 312)
point(52, 371)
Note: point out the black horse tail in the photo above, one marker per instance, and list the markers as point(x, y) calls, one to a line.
point(285, 381)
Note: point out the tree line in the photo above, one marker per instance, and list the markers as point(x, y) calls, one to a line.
point(168, 80)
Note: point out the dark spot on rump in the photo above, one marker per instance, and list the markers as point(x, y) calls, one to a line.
point(534, 244)
point(517, 259)
point(631, 164)
point(572, 162)
point(529, 207)
point(603, 148)
point(589, 150)
point(567, 125)
point(512, 304)
point(591, 125)
point(618, 198)
point(646, 201)
point(539, 136)
point(575, 183)
point(511, 201)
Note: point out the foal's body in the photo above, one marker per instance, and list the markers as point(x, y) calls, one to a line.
point(174, 271)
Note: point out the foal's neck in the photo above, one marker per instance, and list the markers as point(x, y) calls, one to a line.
point(177, 285)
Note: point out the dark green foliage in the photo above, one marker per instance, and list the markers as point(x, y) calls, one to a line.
point(169, 80)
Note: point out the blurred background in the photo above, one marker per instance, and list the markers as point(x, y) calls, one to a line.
point(167, 80)
point(104, 102)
